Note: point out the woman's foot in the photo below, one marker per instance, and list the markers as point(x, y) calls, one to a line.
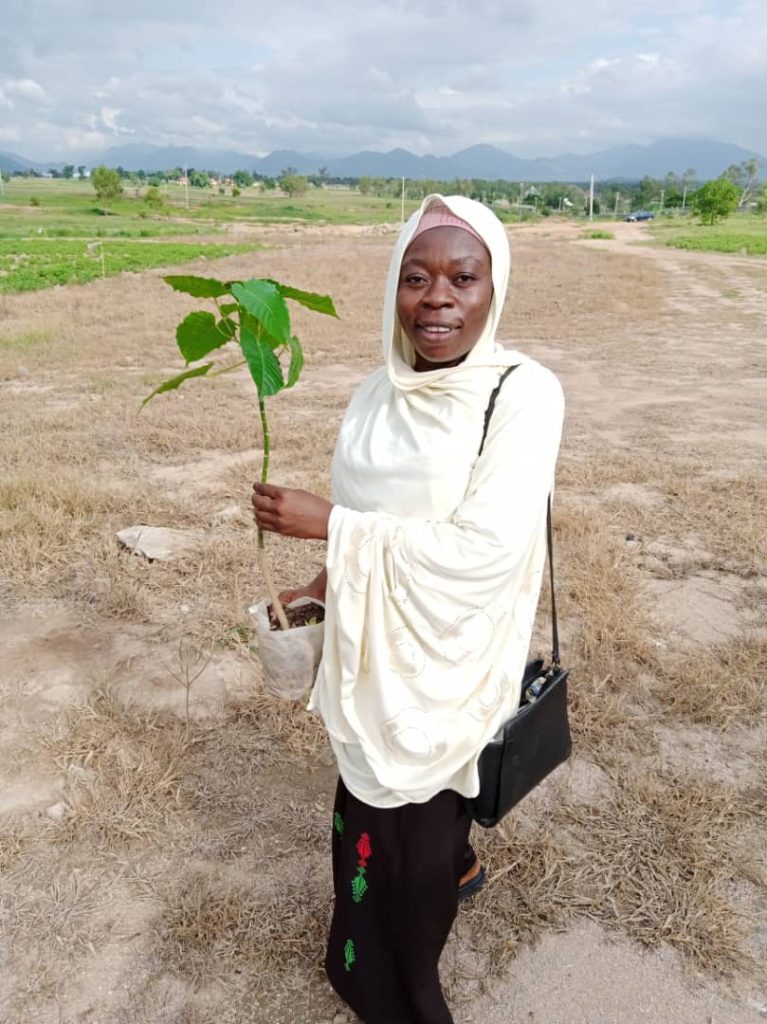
point(472, 881)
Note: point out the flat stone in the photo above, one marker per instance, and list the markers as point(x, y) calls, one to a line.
point(159, 543)
point(56, 812)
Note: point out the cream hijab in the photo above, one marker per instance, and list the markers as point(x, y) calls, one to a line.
point(435, 555)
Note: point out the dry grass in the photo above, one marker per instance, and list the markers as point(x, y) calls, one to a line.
point(211, 925)
point(123, 770)
point(656, 860)
point(719, 686)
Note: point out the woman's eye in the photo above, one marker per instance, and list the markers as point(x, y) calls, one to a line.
point(465, 278)
point(415, 279)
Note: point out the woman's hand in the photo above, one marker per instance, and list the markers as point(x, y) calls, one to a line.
point(292, 513)
point(315, 591)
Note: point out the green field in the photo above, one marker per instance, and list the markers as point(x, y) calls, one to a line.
point(55, 231)
point(28, 265)
point(743, 233)
point(60, 208)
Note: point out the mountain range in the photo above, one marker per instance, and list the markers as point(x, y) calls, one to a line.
point(629, 162)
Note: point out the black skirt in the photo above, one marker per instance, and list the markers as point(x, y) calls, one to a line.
point(395, 873)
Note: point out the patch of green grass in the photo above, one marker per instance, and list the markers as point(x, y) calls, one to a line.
point(745, 234)
point(600, 234)
point(33, 265)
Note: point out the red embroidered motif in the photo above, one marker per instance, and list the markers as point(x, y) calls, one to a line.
point(364, 849)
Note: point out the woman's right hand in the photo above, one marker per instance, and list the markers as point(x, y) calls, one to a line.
point(315, 590)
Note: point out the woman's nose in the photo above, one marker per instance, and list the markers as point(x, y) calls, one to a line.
point(438, 293)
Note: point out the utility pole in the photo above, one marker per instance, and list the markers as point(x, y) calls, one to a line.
point(617, 200)
point(519, 203)
point(662, 198)
point(186, 185)
point(684, 197)
point(591, 199)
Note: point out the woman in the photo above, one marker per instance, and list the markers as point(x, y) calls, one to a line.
point(434, 565)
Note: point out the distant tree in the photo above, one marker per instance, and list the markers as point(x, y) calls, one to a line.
point(68, 171)
point(268, 184)
point(81, 171)
point(106, 182)
point(714, 200)
point(54, 173)
point(293, 184)
point(235, 191)
point(647, 193)
point(744, 177)
point(365, 185)
point(761, 206)
point(198, 179)
point(243, 179)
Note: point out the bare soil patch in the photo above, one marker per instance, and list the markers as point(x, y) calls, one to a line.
point(164, 823)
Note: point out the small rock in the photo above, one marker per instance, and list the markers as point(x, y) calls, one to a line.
point(56, 812)
point(340, 1018)
point(158, 543)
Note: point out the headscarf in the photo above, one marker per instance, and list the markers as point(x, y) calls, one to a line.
point(435, 554)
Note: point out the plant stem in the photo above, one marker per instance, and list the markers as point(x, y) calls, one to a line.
point(262, 560)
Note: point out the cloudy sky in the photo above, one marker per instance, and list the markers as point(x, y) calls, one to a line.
point(535, 77)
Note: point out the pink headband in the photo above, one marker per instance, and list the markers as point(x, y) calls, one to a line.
point(439, 216)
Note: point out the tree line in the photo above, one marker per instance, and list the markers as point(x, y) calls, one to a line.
point(737, 187)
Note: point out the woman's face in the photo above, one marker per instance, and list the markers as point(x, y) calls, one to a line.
point(444, 295)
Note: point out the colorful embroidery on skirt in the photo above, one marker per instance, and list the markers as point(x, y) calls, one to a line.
point(359, 882)
point(338, 823)
point(350, 955)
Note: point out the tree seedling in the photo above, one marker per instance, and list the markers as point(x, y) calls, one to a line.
point(253, 315)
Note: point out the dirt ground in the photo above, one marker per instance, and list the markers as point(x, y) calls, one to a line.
point(164, 823)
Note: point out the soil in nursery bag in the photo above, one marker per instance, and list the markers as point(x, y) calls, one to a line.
point(304, 615)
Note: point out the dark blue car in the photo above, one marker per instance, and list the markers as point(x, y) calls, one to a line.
point(640, 215)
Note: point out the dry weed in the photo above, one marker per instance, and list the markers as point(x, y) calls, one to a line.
point(655, 860)
point(608, 645)
point(212, 925)
point(717, 686)
point(123, 772)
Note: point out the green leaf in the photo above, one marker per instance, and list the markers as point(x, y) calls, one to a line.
point(263, 364)
point(175, 382)
point(262, 300)
point(200, 287)
point(296, 362)
point(228, 307)
point(313, 301)
point(198, 334)
point(258, 330)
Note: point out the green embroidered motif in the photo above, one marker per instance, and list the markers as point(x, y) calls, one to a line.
point(359, 886)
point(338, 823)
point(349, 955)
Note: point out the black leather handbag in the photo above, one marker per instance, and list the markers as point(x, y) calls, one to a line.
point(536, 740)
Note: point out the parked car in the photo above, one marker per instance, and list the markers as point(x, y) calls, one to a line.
point(640, 215)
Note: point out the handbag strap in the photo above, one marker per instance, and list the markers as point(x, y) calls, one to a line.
point(549, 533)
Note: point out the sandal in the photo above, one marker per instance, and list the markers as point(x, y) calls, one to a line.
point(472, 885)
